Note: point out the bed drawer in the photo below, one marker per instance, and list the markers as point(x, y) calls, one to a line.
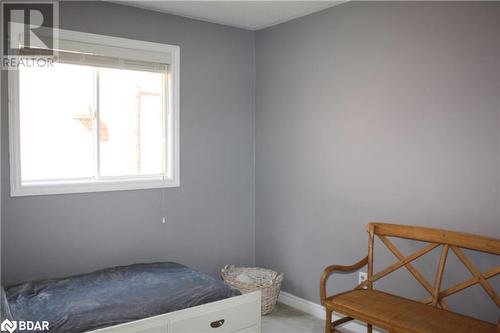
point(223, 320)
point(239, 314)
point(150, 325)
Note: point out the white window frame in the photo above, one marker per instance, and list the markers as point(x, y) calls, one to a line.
point(138, 49)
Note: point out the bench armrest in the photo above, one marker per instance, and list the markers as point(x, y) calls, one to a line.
point(337, 268)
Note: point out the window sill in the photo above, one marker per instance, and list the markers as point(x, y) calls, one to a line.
point(89, 187)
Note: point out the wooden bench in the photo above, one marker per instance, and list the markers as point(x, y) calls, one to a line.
point(397, 314)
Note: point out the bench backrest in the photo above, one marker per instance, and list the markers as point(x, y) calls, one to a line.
point(456, 241)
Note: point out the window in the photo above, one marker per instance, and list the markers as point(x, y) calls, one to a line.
point(104, 117)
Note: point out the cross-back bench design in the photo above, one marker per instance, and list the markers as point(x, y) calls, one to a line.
point(397, 314)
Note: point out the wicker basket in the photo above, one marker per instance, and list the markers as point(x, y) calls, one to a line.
point(248, 279)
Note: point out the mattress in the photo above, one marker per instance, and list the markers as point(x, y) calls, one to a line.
point(113, 296)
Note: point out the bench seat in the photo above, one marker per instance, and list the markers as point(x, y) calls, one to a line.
point(398, 314)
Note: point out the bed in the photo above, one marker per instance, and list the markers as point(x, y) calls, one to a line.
point(156, 297)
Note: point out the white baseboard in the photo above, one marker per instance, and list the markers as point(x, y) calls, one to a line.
point(318, 311)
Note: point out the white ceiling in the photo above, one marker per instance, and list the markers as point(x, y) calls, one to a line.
point(251, 15)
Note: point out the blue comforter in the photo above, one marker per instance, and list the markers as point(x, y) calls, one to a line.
point(113, 296)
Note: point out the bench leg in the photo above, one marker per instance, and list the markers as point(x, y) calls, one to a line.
point(369, 328)
point(328, 321)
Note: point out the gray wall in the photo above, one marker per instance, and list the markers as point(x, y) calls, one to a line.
point(210, 218)
point(376, 111)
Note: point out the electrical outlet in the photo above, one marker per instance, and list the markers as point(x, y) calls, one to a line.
point(363, 276)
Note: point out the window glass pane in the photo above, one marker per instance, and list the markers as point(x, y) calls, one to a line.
point(56, 122)
point(132, 127)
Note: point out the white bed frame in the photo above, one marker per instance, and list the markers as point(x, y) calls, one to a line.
point(236, 314)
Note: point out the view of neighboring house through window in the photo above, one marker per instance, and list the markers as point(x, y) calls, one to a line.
point(61, 109)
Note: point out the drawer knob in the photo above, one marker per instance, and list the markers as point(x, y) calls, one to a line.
point(217, 323)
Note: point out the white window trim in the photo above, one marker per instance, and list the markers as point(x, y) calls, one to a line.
point(17, 188)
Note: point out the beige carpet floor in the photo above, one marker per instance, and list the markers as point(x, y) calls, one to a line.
point(285, 319)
